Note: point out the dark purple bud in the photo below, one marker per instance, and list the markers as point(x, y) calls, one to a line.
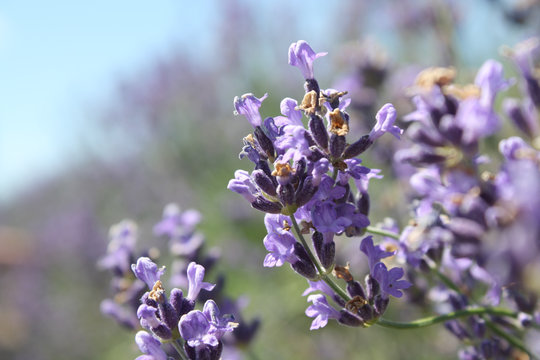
point(180, 304)
point(326, 250)
point(309, 139)
point(457, 329)
point(487, 348)
point(354, 288)
point(245, 332)
point(337, 145)
point(366, 312)
point(380, 303)
point(148, 301)
point(515, 113)
point(346, 318)
point(525, 303)
point(372, 287)
point(168, 314)
point(263, 165)
point(286, 194)
point(162, 331)
point(316, 154)
point(450, 130)
point(364, 204)
point(265, 205)
point(525, 320)
point(299, 170)
point(357, 147)
point(312, 85)
point(305, 191)
point(424, 135)
point(451, 105)
point(204, 352)
point(457, 301)
point(418, 156)
point(264, 141)
point(303, 266)
point(533, 88)
point(318, 130)
point(264, 182)
point(478, 326)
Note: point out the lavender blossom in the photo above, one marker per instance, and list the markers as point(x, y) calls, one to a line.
point(147, 271)
point(248, 105)
point(321, 311)
point(302, 56)
point(195, 274)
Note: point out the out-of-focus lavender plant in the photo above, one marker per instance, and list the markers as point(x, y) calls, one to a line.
point(473, 240)
point(174, 327)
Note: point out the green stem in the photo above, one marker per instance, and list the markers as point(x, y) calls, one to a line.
point(324, 276)
point(179, 349)
point(445, 317)
point(378, 231)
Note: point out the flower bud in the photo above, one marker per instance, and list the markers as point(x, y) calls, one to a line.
point(264, 182)
point(337, 145)
point(357, 147)
point(318, 130)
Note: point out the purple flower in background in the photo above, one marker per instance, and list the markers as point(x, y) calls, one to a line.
point(279, 241)
point(123, 237)
point(147, 271)
point(374, 253)
point(511, 147)
point(150, 346)
point(175, 222)
point(195, 275)
point(386, 117)
point(248, 105)
point(321, 311)
point(389, 280)
point(302, 56)
point(490, 79)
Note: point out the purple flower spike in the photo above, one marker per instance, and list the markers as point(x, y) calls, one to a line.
point(248, 105)
point(389, 280)
point(195, 274)
point(196, 330)
point(374, 253)
point(147, 271)
point(150, 346)
point(386, 117)
point(321, 311)
point(302, 56)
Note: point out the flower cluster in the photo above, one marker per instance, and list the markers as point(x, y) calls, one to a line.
point(473, 242)
point(309, 180)
point(173, 327)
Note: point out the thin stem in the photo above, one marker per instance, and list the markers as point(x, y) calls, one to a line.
point(179, 349)
point(321, 271)
point(378, 231)
point(445, 317)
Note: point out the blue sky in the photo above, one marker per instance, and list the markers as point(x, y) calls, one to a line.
point(60, 57)
point(60, 60)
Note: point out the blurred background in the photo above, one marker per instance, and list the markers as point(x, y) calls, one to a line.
point(111, 110)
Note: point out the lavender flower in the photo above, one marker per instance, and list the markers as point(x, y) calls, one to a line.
point(150, 346)
point(321, 311)
point(248, 105)
point(147, 271)
point(302, 56)
point(389, 280)
point(195, 274)
point(386, 117)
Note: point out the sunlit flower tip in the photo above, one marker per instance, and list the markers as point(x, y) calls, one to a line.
point(221, 323)
point(149, 346)
point(490, 79)
point(321, 311)
point(389, 280)
point(195, 275)
point(302, 56)
point(374, 253)
point(248, 105)
point(147, 271)
point(385, 117)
